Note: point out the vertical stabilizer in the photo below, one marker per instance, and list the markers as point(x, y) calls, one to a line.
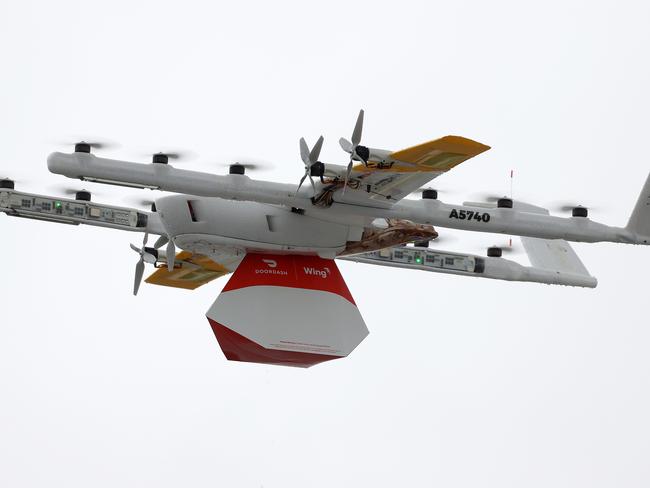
point(639, 222)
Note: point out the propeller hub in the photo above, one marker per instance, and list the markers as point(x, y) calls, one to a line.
point(151, 250)
point(580, 212)
point(7, 183)
point(494, 252)
point(504, 203)
point(237, 169)
point(429, 194)
point(363, 152)
point(160, 158)
point(82, 195)
point(82, 147)
point(317, 169)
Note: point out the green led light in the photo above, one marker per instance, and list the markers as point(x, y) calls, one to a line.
point(57, 205)
point(418, 259)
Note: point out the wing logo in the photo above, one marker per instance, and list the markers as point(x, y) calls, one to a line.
point(311, 271)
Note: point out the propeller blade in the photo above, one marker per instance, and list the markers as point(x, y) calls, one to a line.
point(160, 242)
point(358, 128)
point(139, 271)
point(346, 145)
point(249, 165)
point(347, 175)
point(479, 204)
point(94, 142)
point(135, 248)
point(304, 151)
point(302, 180)
point(315, 151)
point(171, 255)
point(172, 155)
point(146, 238)
point(568, 206)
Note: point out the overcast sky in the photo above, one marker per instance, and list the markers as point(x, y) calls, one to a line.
point(461, 382)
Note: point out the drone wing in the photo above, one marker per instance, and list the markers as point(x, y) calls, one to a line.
point(190, 272)
point(391, 176)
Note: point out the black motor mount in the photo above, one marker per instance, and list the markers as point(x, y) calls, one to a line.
point(363, 152)
point(7, 183)
point(504, 203)
point(317, 169)
point(82, 195)
point(82, 147)
point(160, 158)
point(429, 194)
point(237, 169)
point(494, 252)
point(580, 212)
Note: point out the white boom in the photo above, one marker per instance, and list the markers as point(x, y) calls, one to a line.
point(554, 270)
point(511, 221)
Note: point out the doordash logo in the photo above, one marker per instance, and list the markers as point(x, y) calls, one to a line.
point(270, 269)
point(317, 272)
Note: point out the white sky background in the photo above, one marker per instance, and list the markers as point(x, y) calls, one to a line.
point(462, 382)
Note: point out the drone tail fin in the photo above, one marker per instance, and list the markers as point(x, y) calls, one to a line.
point(639, 222)
point(556, 255)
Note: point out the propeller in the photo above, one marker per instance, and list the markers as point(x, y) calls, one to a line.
point(250, 165)
point(480, 204)
point(70, 190)
point(490, 197)
point(79, 194)
point(310, 158)
point(356, 151)
point(569, 206)
point(506, 247)
point(428, 190)
point(145, 256)
point(9, 183)
point(90, 142)
point(164, 156)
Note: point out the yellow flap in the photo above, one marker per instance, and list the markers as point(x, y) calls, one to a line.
point(187, 276)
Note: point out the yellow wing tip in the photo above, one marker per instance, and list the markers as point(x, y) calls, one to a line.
point(441, 154)
point(472, 147)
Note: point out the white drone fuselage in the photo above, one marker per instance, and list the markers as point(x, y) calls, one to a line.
point(254, 227)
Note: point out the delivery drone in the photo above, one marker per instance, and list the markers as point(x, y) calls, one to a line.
point(286, 302)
